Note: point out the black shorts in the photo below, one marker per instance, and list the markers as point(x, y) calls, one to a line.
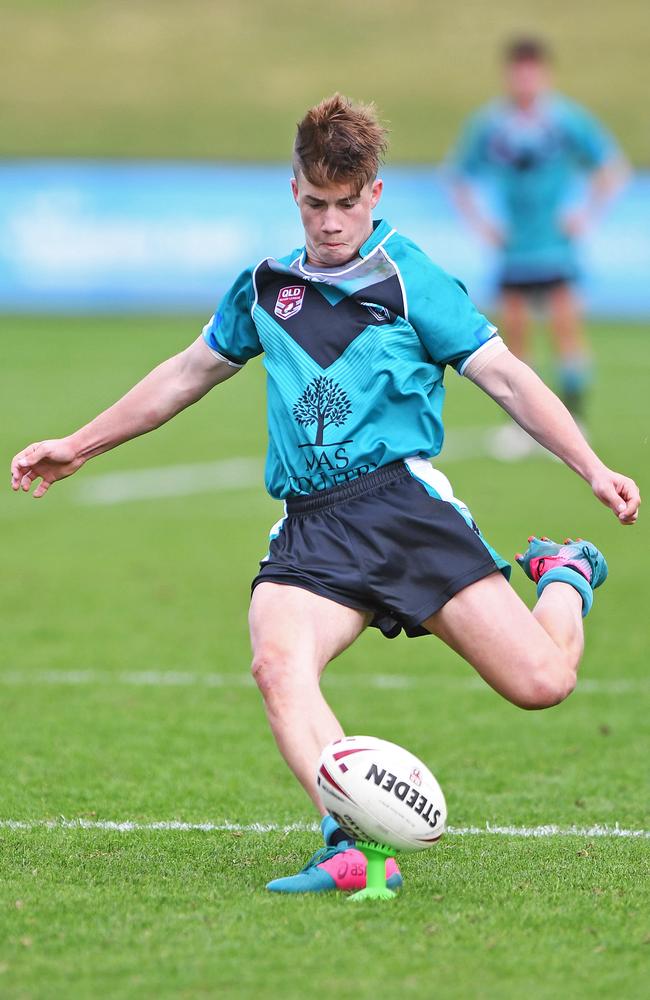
point(538, 288)
point(393, 542)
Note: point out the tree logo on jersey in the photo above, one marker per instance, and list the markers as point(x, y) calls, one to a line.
point(289, 301)
point(323, 403)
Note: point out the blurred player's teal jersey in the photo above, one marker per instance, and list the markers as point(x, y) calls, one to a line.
point(355, 357)
point(533, 158)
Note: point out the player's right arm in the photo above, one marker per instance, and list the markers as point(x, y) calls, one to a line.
point(468, 162)
point(469, 206)
point(228, 341)
point(159, 396)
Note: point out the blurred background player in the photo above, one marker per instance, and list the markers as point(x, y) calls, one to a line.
point(533, 144)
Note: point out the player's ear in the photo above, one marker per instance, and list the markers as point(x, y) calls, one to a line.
point(377, 188)
point(294, 189)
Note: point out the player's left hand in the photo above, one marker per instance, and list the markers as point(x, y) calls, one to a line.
point(619, 493)
point(575, 224)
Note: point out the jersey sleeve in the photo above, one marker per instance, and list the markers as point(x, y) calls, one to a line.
point(470, 155)
point(231, 332)
point(445, 319)
point(591, 143)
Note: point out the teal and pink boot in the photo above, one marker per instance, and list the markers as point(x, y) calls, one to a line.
point(337, 865)
point(578, 563)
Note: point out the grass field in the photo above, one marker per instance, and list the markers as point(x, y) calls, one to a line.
point(229, 80)
point(125, 698)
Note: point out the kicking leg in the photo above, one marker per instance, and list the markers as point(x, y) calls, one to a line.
point(530, 658)
point(294, 635)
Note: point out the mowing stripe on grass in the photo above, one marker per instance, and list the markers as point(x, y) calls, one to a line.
point(389, 682)
point(131, 826)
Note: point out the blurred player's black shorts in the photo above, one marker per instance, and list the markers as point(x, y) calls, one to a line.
point(383, 543)
point(535, 289)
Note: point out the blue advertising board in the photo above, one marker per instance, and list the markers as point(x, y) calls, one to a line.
point(102, 236)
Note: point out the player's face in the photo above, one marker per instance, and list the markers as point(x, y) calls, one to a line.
point(337, 219)
point(526, 80)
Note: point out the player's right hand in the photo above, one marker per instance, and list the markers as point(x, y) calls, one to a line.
point(493, 234)
point(44, 460)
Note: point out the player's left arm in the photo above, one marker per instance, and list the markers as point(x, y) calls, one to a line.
point(597, 153)
point(604, 184)
point(522, 394)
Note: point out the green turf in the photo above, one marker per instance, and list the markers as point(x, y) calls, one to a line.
point(157, 915)
point(162, 585)
point(229, 80)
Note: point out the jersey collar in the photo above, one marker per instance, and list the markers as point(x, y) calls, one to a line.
point(538, 109)
point(380, 230)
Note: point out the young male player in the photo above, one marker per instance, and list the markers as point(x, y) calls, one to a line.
point(357, 328)
point(533, 144)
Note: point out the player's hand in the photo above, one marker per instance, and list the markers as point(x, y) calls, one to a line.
point(492, 233)
point(44, 460)
point(575, 224)
point(619, 493)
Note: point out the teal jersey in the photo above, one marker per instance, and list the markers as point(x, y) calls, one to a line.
point(533, 158)
point(355, 357)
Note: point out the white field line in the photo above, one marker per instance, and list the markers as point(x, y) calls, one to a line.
point(172, 481)
point(131, 826)
point(381, 682)
point(241, 473)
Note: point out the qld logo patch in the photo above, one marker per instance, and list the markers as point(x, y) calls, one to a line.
point(289, 301)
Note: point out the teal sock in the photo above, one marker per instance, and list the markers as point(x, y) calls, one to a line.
point(564, 574)
point(332, 832)
point(574, 377)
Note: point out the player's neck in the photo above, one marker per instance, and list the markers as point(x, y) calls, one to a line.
point(527, 105)
point(313, 259)
point(327, 265)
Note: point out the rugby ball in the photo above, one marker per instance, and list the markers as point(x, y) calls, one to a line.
point(380, 792)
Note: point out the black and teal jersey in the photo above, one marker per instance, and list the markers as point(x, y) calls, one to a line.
point(533, 158)
point(355, 357)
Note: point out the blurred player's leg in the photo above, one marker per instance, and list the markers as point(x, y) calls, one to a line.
point(294, 635)
point(573, 361)
point(515, 320)
point(510, 442)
